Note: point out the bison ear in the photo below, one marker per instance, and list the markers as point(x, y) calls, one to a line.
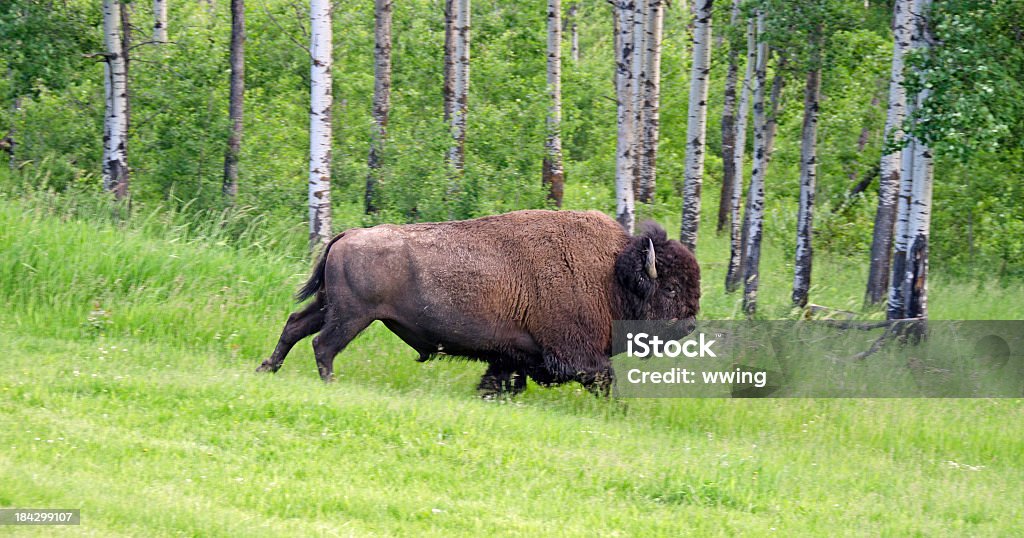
point(635, 269)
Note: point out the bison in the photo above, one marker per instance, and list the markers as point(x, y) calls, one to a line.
point(531, 293)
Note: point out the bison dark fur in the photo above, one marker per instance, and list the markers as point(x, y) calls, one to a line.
point(532, 293)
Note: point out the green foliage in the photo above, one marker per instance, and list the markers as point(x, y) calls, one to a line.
point(800, 30)
point(974, 70)
point(42, 44)
point(985, 211)
point(56, 135)
point(179, 113)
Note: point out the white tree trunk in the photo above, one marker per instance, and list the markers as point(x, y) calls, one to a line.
point(736, 243)
point(381, 99)
point(449, 60)
point(916, 285)
point(808, 175)
point(639, 81)
point(889, 172)
point(755, 196)
point(625, 144)
point(108, 90)
point(115, 129)
point(775, 101)
point(908, 295)
point(651, 100)
point(897, 304)
point(696, 124)
point(728, 120)
point(460, 99)
point(574, 36)
point(236, 99)
point(321, 99)
point(553, 173)
point(160, 21)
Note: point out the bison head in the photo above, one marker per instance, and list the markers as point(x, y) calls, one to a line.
point(658, 278)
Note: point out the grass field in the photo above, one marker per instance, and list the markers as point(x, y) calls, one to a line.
point(127, 390)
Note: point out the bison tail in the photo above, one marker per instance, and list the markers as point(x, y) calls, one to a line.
point(316, 280)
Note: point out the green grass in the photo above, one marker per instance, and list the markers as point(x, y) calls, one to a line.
point(127, 390)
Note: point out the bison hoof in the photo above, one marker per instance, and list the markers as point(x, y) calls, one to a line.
point(491, 395)
point(503, 385)
point(600, 384)
point(267, 366)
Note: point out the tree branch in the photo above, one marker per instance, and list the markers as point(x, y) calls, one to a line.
point(283, 31)
point(133, 47)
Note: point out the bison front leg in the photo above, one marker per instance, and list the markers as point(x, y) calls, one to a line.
point(499, 380)
point(332, 340)
point(300, 325)
point(599, 383)
point(594, 372)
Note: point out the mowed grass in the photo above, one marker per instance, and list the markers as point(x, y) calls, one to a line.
point(127, 390)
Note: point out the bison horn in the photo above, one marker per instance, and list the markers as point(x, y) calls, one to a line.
point(652, 269)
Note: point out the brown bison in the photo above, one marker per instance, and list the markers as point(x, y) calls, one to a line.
point(532, 293)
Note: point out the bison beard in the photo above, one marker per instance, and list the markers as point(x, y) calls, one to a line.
point(532, 293)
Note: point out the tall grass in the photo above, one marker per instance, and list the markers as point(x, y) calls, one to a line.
point(128, 344)
point(203, 276)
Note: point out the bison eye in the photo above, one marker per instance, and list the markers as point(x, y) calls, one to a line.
point(671, 292)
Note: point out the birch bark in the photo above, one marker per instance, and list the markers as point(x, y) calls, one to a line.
point(460, 97)
point(625, 144)
point(381, 99)
point(639, 80)
point(574, 36)
point(889, 172)
point(908, 290)
point(729, 124)
point(896, 308)
point(808, 175)
point(919, 225)
point(651, 100)
point(236, 99)
point(696, 124)
point(775, 103)
point(320, 133)
point(755, 196)
point(115, 154)
point(736, 228)
point(553, 173)
point(160, 20)
point(449, 59)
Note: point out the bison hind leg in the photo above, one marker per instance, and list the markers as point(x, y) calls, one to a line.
point(300, 325)
point(332, 340)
